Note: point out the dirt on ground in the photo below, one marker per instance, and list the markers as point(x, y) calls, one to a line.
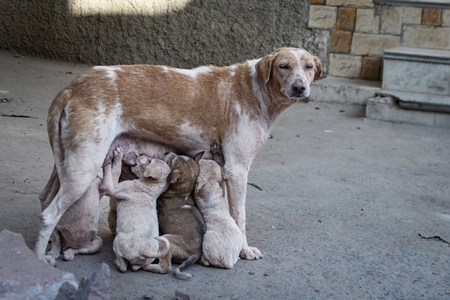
point(343, 202)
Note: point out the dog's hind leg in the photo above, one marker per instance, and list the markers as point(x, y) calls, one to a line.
point(77, 176)
point(50, 190)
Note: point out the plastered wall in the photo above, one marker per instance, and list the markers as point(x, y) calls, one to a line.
point(180, 33)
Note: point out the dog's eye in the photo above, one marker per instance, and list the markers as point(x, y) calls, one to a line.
point(309, 67)
point(285, 66)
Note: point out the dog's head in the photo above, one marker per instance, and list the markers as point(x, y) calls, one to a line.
point(184, 172)
point(289, 72)
point(155, 169)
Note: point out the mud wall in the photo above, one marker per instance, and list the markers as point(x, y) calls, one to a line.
point(181, 33)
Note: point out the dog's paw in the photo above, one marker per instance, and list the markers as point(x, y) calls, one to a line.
point(251, 253)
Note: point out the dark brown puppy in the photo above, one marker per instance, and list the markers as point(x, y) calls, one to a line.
point(180, 221)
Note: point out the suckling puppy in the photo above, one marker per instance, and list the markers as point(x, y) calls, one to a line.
point(137, 240)
point(223, 240)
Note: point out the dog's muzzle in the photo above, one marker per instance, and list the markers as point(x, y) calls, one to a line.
point(299, 90)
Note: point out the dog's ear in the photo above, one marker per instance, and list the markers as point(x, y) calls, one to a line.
point(198, 156)
point(174, 176)
point(200, 183)
point(264, 67)
point(317, 68)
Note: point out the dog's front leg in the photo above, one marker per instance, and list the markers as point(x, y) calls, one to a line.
point(237, 188)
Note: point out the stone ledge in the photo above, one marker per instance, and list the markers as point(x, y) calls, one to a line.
point(417, 3)
point(344, 90)
point(418, 54)
point(387, 109)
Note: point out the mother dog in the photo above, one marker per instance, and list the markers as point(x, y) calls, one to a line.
point(188, 110)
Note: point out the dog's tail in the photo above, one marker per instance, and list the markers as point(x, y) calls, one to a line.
point(57, 118)
point(162, 253)
point(187, 263)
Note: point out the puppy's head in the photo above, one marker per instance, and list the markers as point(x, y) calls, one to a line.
point(184, 172)
point(210, 181)
point(155, 169)
point(289, 72)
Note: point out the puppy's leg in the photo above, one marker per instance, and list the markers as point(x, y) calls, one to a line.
point(237, 187)
point(93, 247)
point(112, 215)
point(165, 263)
point(55, 239)
point(111, 172)
point(121, 263)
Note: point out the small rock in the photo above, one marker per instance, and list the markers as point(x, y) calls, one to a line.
point(149, 295)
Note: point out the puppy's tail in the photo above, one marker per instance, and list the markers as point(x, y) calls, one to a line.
point(57, 119)
point(162, 253)
point(187, 263)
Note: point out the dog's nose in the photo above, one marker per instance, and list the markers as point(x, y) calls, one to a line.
point(298, 90)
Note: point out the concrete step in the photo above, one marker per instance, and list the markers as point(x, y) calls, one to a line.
point(390, 108)
point(415, 70)
point(344, 90)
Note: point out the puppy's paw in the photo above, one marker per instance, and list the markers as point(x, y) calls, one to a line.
point(49, 260)
point(69, 254)
point(251, 253)
point(118, 153)
point(54, 252)
point(217, 154)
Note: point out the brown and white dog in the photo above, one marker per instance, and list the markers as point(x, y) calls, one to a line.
point(234, 106)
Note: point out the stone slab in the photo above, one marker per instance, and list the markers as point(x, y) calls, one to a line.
point(387, 109)
point(414, 71)
point(437, 100)
point(343, 90)
point(418, 54)
point(23, 275)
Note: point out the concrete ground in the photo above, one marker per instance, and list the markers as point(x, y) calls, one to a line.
point(343, 203)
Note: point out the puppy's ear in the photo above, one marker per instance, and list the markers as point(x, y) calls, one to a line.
point(317, 68)
point(264, 67)
point(198, 156)
point(174, 176)
point(153, 172)
point(200, 183)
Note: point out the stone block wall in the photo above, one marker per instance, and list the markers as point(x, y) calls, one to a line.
point(180, 33)
point(360, 31)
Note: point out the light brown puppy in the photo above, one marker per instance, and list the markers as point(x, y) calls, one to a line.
point(133, 145)
point(180, 221)
point(137, 240)
point(76, 231)
point(190, 110)
point(223, 240)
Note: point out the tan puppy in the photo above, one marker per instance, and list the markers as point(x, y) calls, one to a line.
point(223, 240)
point(133, 145)
point(180, 221)
point(137, 239)
point(189, 110)
point(76, 232)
